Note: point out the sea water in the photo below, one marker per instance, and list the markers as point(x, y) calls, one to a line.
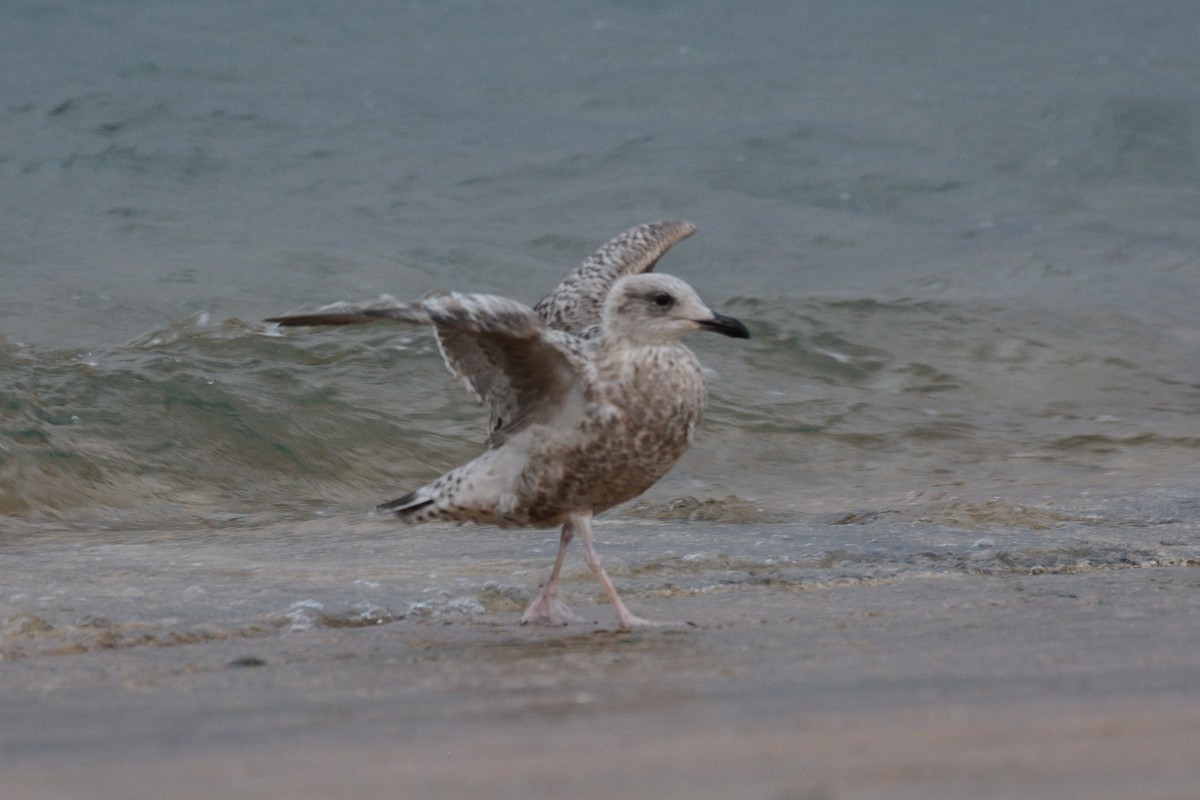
point(964, 237)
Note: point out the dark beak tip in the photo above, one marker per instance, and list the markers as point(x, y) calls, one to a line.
point(727, 326)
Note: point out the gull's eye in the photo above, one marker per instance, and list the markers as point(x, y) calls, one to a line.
point(663, 300)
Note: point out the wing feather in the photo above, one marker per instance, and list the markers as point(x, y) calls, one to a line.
point(576, 304)
point(503, 352)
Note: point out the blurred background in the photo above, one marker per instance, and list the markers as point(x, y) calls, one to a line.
point(963, 234)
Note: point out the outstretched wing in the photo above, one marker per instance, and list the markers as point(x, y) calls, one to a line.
point(576, 304)
point(501, 350)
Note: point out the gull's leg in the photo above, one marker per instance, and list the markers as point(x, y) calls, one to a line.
point(626, 619)
point(546, 608)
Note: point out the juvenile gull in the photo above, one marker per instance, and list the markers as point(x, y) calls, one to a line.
point(592, 397)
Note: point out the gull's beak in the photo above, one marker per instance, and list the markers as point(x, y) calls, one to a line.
point(725, 325)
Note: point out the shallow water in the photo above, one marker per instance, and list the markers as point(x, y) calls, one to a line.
point(963, 237)
point(68, 592)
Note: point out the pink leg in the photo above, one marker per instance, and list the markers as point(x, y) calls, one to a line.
point(546, 608)
point(626, 619)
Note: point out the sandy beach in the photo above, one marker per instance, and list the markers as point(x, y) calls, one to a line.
point(1077, 680)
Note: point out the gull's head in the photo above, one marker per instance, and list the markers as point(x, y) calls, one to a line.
point(652, 308)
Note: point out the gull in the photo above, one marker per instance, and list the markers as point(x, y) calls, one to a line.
point(592, 397)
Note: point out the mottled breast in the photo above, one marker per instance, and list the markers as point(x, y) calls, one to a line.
point(642, 408)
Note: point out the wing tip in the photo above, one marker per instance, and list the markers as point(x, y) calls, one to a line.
point(639, 248)
point(294, 320)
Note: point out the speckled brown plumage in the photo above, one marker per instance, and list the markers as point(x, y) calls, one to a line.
point(592, 396)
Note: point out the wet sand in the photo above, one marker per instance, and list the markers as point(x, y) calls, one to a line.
point(1065, 683)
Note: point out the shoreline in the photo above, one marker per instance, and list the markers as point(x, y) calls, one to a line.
point(1076, 684)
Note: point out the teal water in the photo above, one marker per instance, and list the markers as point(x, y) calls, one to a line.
point(962, 234)
point(833, 401)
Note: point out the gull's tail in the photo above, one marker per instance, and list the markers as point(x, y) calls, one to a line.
point(407, 506)
point(461, 495)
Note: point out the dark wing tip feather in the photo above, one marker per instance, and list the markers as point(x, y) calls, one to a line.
point(360, 317)
point(292, 320)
